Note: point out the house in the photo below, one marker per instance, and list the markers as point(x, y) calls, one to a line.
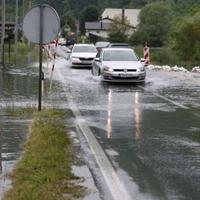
point(98, 29)
point(9, 30)
point(102, 27)
point(132, 15)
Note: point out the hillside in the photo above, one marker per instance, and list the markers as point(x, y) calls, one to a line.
point(76, 7)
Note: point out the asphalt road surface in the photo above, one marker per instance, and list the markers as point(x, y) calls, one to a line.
point(150, 133)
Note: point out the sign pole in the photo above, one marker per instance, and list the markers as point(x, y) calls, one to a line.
point(3, 31)
point(41, 25)
point(40, 60)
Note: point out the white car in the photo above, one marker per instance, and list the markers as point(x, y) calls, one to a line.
point(62, 41)
point(82, 55)
point(119, 65)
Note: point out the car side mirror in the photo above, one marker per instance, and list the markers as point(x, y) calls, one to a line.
point(142, 60)
point(69, 51)
point(97, 60)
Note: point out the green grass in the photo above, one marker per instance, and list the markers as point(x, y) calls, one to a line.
point(24, 52)
point(21, 112)
point(44, 170)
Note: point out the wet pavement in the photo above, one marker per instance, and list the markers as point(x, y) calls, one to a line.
point(150, 133)
point(17, 88)
point(12, 135)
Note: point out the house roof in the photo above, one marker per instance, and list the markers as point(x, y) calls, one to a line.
point(132, 15)
point(100, 25)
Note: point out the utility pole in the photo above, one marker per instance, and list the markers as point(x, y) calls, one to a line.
point(16, 26)
point(123, 16)
point(3, 31)
point(23, 17)
point(1, 153)
point(30, 4)
point(23, 8)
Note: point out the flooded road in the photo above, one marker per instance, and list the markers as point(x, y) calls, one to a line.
point(18, 87)
point(150, 133)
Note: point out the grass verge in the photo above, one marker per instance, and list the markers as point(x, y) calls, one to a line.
point(44, 170)
point(21, 112)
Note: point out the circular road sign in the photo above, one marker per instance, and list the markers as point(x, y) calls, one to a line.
point(41, 24)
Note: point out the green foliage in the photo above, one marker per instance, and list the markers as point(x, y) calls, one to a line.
point(57, 5)
point(118, 32)
point(163, 56)
point(76, 7)
point(89, 14)
point(68, 21)
point(182, 6)
point(137, 3)
point(186, 37)
point(155, 23)
point(159, 55)
point(23, 47)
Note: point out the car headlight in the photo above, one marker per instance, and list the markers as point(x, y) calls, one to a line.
point(108, 69)
point(75, 59)
point(141, 69)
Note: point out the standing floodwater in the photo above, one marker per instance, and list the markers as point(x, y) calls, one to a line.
point(18, 87)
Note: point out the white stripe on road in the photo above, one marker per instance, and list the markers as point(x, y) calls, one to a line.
point(116, 187)
point(165, 98)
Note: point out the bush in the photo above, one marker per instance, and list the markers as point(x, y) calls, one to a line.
point(23, 47)
point(164, 56)
point(186, 38)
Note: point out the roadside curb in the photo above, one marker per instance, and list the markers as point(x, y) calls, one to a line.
point(83, 172)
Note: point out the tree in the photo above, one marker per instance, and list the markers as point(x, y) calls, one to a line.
point(138, 3)
point(119, 29)
point(57, 5)
point(89, 14)
point(69, 21)
point(186, 37)
point(76, 7)
point(155, 23)
point(182, 6)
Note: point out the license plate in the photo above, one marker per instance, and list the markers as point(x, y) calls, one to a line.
point(125, 75)
point(86, 62)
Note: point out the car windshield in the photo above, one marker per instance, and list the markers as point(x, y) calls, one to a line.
point(83, 49)
point(117, 45)
point(119, 55)
point(101, 44)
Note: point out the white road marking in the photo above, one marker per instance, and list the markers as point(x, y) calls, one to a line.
point(115, 185)
point(165, 98)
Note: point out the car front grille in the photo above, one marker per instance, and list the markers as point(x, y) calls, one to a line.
point(123, 70)
point(118, 78)
point(86, 59)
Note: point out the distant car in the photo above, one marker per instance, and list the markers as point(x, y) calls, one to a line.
point(82, 55)
point(100, 45)
point(62, 41)
point(119, 65)
point(117, 45)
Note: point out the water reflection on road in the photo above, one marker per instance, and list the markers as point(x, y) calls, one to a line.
point(12, 135)
point(18, 87)
point(109, 120)
point(137, 117)
point(153, 144)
